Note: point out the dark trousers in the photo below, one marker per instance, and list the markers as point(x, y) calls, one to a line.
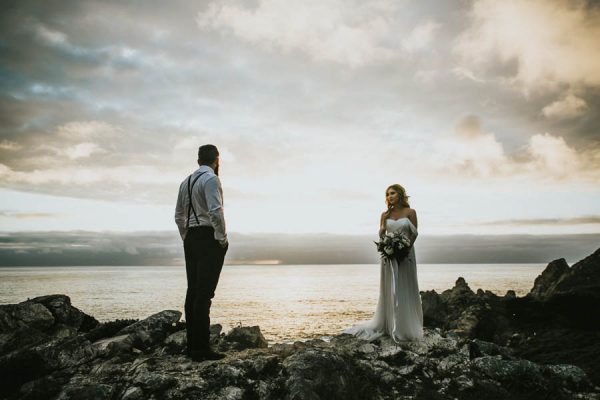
point(203, 263)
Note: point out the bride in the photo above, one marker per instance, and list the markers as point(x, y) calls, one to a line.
point(399, 313)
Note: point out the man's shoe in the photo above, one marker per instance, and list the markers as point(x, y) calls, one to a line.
point(205, 355)
point(213, 355)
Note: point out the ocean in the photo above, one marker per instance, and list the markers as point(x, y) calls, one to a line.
point(288, 302)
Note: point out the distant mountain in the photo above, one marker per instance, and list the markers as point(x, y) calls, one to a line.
point(165, 248)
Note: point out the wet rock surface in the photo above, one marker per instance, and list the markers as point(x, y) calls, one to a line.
point(476, 345)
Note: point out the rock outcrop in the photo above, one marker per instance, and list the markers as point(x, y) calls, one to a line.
point(476, 345)
point(145, 360)
point(558, 321)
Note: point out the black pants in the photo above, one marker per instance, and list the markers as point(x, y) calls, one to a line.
point(203, 263)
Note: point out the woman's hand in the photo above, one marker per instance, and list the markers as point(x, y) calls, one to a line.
point(381, 232)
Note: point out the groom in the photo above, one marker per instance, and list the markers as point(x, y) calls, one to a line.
point(201, 222)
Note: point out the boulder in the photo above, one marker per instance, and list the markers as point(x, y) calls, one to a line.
point(30, 363)
point(150, 331)
point(435, 312)
point(316, 374)
point(546, 282)
point(161, 321)
point(32, 315)
point(245, 337)
point(176, 342)
point(62, 310)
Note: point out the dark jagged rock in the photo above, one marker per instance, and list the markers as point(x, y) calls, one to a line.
point(557, 321)
point(244, 337)
point(64, 313)
point(549, 278)
point(476, 345)
point(442, 366)
point(159, 321)
point(464, 312)
point(582, 279)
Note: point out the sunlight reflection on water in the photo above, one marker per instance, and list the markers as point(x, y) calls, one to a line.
point(288, 302)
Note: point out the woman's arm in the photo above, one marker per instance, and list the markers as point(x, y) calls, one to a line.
point(382, 224)
point(412, 217)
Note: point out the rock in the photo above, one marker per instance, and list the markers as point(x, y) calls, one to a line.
point(570, 376)
point(491, 349)
point(108, 329)
point(133, 393)
point(21, 338)
point(153, 330)
point(46, 387)
point(231, 393)
point(34, 315)
point(62, 310)
point(461, 292)
point(434, 309)
point(315, 374)
point(244, 337)
point(114, 345)
point(152, 381)
point(23, 365)
point(582, 279)
point(176, 342)
point(49, 354)
point(25, 315)
point(156, 322)
point(547, 281)
point(215, 334)
point(87, 392)
point(503, 370)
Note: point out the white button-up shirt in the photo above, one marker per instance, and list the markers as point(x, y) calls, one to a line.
point(207, 199)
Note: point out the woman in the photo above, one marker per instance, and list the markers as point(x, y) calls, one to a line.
point(399, 313)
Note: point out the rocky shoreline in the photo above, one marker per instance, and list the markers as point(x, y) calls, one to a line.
point(545, 345)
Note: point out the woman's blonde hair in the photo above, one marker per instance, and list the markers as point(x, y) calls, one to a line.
point(403, 201)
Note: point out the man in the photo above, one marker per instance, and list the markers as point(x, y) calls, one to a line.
point(201, 222)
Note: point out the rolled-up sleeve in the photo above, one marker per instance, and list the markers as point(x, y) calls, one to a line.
point(214, 202)
point(180, 216)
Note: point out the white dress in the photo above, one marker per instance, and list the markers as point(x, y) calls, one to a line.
point(399, 313)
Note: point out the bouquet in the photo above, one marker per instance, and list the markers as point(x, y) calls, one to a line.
point(394, 245)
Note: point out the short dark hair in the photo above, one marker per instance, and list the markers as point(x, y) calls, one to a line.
point(207, 154)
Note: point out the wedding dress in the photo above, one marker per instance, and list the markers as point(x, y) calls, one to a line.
point(399, 313)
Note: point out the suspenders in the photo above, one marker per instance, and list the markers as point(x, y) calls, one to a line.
point(191, 206)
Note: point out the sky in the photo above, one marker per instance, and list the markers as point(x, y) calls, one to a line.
point(487, 112)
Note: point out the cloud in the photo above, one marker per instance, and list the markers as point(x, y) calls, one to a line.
point(110, 100)
point(585, 220)
point(568, 107)
point(471, 152)
point(26, 215)
point(82, 150)
point(9, 145)
point(333, 31)
point(464, 73)
point(553, 156)
point(552, 42)
point(421, 36)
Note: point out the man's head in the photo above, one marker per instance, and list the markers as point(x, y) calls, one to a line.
point(209, 155)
